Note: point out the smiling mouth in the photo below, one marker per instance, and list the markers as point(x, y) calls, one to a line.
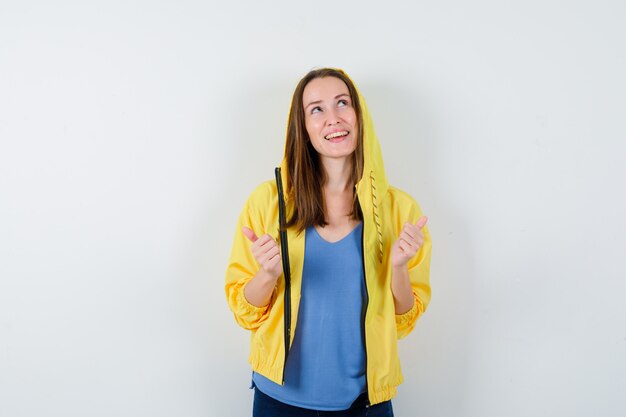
point(336, 135)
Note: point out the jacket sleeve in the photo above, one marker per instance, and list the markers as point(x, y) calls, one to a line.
point(242, 266)
point(419, 274)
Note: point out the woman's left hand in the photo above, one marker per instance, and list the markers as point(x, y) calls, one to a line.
point(409, 243)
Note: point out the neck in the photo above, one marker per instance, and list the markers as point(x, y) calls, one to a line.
point(338, 174)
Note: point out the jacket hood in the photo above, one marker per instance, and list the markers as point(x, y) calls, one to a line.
point(373, 185)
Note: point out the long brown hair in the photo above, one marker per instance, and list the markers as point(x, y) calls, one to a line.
point(306, 173)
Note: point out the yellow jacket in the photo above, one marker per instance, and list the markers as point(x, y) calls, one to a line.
point(385, 210)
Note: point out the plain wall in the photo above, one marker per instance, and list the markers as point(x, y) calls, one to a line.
point(131, 133)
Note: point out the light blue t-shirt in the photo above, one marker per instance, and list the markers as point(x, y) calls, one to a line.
point(326, 364)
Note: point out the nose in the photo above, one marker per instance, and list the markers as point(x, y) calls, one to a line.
point(333, 117)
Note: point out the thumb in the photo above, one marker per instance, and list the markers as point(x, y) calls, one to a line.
point(421, 222)
point(252, 237)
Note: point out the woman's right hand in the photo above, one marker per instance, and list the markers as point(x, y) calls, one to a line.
point(266, 252)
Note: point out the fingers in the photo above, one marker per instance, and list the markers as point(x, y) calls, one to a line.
point(412, 232)
point(421, 222)
point(409, 242)
point(410, 246)
point(413, 241)
point(263, 244)
point(275, 262)
point(257, 241)
point(264, 249)
point(411, 237)
point(269, 255)
point(252, 237)
point(406, 248)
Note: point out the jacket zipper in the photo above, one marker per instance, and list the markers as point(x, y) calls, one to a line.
point(284, 249)
point(366, 302)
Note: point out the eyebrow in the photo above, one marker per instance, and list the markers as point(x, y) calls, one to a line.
point(319, 101)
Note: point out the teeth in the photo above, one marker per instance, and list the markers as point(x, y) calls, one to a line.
point(336, 135)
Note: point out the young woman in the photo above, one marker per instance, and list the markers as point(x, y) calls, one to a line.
point(330, 272)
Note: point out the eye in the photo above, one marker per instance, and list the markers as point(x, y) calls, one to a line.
point(343, 102)
point(316, 109)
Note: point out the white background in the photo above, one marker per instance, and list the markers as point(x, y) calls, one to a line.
point(133, 131)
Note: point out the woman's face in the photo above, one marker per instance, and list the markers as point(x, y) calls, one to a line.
point(329, 117)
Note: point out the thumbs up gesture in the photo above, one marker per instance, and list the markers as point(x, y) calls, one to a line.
point(408, 243)
point(266, 252)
